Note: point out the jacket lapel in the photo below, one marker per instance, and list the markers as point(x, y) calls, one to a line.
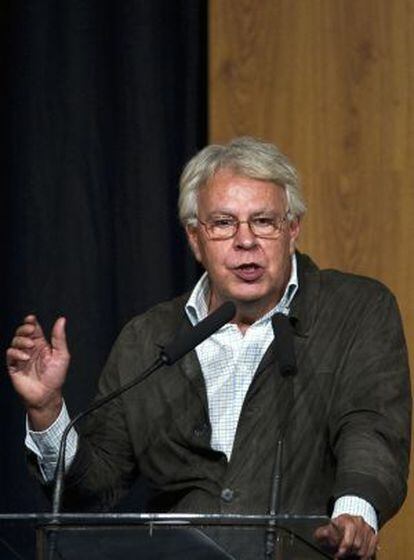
point(188, 365)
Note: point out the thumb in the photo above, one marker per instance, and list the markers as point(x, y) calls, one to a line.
point(58, 338)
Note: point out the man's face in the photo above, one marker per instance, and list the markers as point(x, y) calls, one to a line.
point(251, 271)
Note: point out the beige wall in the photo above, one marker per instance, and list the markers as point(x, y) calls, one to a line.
point(332, 83)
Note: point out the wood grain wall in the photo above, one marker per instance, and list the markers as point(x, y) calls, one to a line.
point(332, 83)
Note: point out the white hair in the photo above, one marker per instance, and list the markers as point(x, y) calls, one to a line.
point(248, 157)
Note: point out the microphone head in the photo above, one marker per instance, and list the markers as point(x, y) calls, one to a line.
point(184, 343)
point(285, 350)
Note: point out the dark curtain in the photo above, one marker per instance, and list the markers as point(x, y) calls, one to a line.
point(105, 101)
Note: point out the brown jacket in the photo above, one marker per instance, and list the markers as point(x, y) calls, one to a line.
point(348, 431)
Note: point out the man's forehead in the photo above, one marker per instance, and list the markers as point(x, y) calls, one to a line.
point(226, 174)
point(227, 188)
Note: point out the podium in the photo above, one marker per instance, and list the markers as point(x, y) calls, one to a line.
point(159, 536)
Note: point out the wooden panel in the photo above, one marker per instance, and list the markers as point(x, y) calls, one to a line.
point(332, 83)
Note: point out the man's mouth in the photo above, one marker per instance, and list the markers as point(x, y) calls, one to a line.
point(249, 272)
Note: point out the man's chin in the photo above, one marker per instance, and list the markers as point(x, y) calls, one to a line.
point(249, 297)
point(246, 295)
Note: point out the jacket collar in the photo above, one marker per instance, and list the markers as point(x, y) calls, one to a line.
point(302, 313)
point(304, 305)
point(188, 365)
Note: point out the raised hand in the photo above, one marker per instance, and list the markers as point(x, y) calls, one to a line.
point(38, 369)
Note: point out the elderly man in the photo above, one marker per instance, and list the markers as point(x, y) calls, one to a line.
point(204, 433)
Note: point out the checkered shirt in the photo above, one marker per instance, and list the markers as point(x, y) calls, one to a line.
point(229, 360)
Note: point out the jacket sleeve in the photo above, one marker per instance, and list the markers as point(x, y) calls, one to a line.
point(370, 423)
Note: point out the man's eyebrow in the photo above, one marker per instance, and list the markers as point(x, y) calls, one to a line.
point(221, 212)
point(260, 211)
point(266, 212)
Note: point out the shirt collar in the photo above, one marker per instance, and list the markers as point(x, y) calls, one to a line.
point(197, 305)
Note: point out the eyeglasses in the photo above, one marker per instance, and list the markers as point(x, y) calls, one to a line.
point(226, 227)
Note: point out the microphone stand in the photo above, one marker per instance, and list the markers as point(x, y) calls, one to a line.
point(288, 369)
point(277, 479)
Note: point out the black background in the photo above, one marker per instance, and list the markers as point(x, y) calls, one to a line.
point(102, 104)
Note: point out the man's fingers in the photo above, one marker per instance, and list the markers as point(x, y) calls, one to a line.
point(348, 544)
point(372, 545)
point(22, 342)
point(350, 541)
point(58, 338)
point(29, 338)
point(329, 536)
point(27, 329)
point(324, 533)
point(31, 326)
point(358, 538)
point(369, 544)
point(14, 355)
point(38, 331)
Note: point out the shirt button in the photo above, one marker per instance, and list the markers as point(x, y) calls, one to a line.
point(227, 495)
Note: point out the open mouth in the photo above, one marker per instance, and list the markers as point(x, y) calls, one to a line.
point(249, 272)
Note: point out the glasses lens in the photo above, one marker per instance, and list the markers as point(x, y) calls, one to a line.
point(222, 228)
point(265, 227)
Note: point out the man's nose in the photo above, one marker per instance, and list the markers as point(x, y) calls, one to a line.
point(244, 237)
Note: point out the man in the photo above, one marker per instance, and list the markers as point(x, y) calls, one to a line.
point(204, 432)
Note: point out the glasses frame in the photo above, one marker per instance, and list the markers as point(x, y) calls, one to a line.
point(278, 231)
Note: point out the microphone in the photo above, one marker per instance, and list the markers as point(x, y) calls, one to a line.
point(180, 345)
point(284, 346)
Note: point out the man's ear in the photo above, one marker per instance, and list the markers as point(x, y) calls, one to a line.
point(193, 239)
point(294, 230)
